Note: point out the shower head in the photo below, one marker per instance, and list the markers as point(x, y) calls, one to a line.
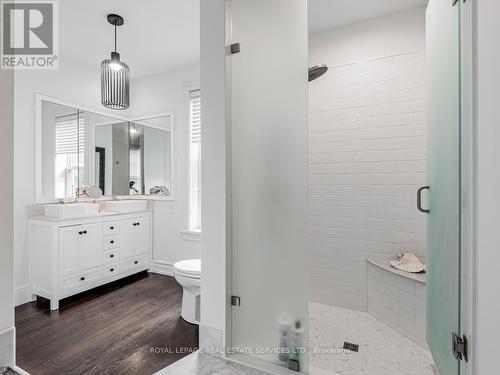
point(317, 71)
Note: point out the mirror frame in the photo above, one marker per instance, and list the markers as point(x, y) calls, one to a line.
point(40, 98)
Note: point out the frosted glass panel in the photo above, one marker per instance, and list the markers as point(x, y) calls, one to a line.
point(268, 84)
point(443, 71)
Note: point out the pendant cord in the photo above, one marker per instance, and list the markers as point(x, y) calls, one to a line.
point(115, 36)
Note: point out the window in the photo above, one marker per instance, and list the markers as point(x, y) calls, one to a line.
point(194, 216)
point(70, 148)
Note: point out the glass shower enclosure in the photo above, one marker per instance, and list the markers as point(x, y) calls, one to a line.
point(268, 95)
point(268, 132)
point(444, 334)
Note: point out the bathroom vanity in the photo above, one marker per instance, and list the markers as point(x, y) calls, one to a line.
point(69, 256)
point(77, 246)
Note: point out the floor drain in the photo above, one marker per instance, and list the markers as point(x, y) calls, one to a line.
point(350, 346)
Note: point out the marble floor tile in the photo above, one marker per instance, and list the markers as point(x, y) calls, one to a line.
point(319, 371)
point(206, 364)
point(382, 351)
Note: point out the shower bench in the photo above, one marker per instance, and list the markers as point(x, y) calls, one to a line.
point(397, 298)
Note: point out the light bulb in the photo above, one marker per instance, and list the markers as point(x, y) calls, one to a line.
point(115, 65)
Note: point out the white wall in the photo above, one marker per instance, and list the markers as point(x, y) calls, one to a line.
point(367, 40)
point(213, 95)
point(80, 84)
point(366, 152)
point(6, 222)
point(156, 94)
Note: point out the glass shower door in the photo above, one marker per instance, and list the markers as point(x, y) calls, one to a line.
point(269, 116)
point(443, 274)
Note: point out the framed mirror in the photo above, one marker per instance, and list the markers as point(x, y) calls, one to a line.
point(78, 147)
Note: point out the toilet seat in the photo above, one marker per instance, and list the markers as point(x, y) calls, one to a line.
point(189, 268)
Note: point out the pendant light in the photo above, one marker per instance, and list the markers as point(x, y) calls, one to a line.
point(115, 76)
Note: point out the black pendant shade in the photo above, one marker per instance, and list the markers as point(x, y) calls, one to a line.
point(115, 76)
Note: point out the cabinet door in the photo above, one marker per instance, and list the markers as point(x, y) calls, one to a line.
point(69, 250)
point(127, 238)
point(91, 246)
point(143, 235)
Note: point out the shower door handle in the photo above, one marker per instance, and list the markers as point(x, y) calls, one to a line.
point(419, 200)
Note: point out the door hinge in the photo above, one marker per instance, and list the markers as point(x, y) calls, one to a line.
point(235, 48)
point(235, 301)
point(460, 347)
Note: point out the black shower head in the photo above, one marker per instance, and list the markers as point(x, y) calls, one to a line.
point(317, 71)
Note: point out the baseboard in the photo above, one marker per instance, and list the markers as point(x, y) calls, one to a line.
point(22, 294)
point(7, 347)
point(163, 268)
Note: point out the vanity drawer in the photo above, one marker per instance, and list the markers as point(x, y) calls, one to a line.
point(110, 271)
point(130, 264)
point(110, 242)
point(110, 228)
point(110, 256)
point(79, 282)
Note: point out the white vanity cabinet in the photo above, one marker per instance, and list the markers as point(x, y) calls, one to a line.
point(134, 236)
point(69, 256)
point(79, 248)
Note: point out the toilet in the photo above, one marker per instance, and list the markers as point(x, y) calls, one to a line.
point(188, 275)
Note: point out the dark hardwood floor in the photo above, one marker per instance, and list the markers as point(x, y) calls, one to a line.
point(109, 330)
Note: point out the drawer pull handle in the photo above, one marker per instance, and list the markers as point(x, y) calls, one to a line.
point(136, 262)
point(84, 232)
point(138, 223)
point(111, 270)
point(112, 241)
point(112, 255)
point(111, 228)
point(82, 278)
point(80, 232)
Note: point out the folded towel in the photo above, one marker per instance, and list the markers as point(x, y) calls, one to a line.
point(408, 262)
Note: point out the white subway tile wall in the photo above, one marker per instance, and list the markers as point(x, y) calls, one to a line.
point(367, 157)
point(398, 302)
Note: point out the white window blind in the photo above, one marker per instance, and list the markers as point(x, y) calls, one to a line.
point(195, 160)
point(195, 115)
point(69, 158)
point(70, 134)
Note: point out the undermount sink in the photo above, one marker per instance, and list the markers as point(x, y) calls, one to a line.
point(126, 205)
point(69, 210)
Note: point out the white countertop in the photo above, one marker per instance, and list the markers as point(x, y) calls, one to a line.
point(101, 214)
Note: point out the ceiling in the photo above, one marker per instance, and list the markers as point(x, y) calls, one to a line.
point(328, 14)
point(158, 35)
point(164, 35)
